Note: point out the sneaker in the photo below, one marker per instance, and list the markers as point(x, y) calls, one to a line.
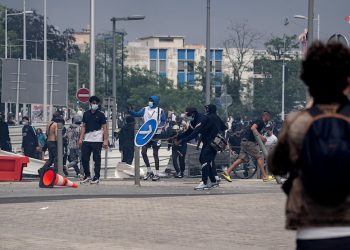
point(213, 184)
point(179, 175)
point(156, 178)
point(149, 175)
point(268, 178)
point(86, 179)
point(218, 179)
point(226, 176)
point(201, 186)
point(94, 180)
point(79, 176)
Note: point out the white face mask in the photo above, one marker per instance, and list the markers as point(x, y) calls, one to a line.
point(150, 104)
point(94, 106)
point(190, 118)
point(25, 122)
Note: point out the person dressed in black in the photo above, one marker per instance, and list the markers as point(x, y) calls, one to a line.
point(30, 145)
point(178, 152)
point(93, 136)
point(126, 140)
point(5, 141)
point(208, 128)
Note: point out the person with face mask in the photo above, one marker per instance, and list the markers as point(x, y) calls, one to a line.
point(30, 145)
point(93, 137)
point(152, 111)
point(202, 124)
point(5, 141)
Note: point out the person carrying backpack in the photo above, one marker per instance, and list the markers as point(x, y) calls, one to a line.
point(314, 150)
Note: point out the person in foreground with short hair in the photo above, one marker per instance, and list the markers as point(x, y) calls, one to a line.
point(250, 147)
point(326, 73)
point(93, 137)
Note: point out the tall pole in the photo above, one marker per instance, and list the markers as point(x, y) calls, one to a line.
point(207, 66)
point(24, 32)
point(318, 26)
point(283, 78)
point(114, 83)
point(122, 59)
point(5, 33)
point(92, 47)
point(310, 25)
point(45, 66)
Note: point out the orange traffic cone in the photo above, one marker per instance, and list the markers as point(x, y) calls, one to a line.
point(50, 178)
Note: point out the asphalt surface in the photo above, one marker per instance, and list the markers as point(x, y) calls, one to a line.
point(169, 214)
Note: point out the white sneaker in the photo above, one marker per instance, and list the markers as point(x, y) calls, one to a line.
point(201, 186)
point(213, 184)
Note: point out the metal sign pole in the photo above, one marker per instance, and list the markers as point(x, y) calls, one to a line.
point(106, 151)
point(137, 158)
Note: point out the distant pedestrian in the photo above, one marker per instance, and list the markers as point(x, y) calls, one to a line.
point(152, 111)
point(178, 152)
point(250, 147)
point(42, 143)
point(5, 141)
point(51, 141)
point(314, 149)
point(202, 124)
point(126, 140)
point(30, 145)
point(74, 153)
point(93, 137)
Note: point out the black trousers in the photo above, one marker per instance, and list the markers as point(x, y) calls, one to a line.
point(128, 155)
point(176, 154)
point(155, 148)
point(206, 158)
point(342, 243)
point(86, 150)
point(52, 148)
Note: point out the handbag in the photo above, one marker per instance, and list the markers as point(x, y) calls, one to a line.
point(219, 142)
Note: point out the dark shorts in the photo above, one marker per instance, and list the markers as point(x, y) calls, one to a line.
point(249, 148)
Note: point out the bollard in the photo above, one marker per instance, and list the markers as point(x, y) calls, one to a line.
point(137, 157)
point(59, 148)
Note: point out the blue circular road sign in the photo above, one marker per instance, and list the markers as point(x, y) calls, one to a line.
point(146, 132)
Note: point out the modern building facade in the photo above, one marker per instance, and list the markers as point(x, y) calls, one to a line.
point(170, 57)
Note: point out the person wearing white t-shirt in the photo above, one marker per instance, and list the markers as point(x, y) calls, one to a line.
point(93, 136)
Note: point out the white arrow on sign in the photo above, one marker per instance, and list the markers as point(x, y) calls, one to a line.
point(146, 133)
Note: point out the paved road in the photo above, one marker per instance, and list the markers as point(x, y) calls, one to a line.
point(244, 214)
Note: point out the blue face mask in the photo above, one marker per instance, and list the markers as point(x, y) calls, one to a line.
point(150, 104)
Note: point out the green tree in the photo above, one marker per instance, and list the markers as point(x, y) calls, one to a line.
point(268, 80)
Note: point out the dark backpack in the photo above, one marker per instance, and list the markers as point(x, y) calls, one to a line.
point(325, 157)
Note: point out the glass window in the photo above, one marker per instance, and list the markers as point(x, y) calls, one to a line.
point(211, 54)
point(190, 66)
point(181, 79)
point(162, 74)
point(190, 54)
point(162, 66)
point(218, 66)
point(162, 54)
point(153, 65)
point(181, 66)
point(153, 54)
point(190, 78)
point(181, 54)
point(218, 55)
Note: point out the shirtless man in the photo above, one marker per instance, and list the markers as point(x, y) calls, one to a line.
point(51, 133)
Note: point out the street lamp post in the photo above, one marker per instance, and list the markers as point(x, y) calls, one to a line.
point(114, 80)
point(207, 55)
point(24, 28)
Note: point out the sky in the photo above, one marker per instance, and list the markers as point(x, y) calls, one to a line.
point(188, 17)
